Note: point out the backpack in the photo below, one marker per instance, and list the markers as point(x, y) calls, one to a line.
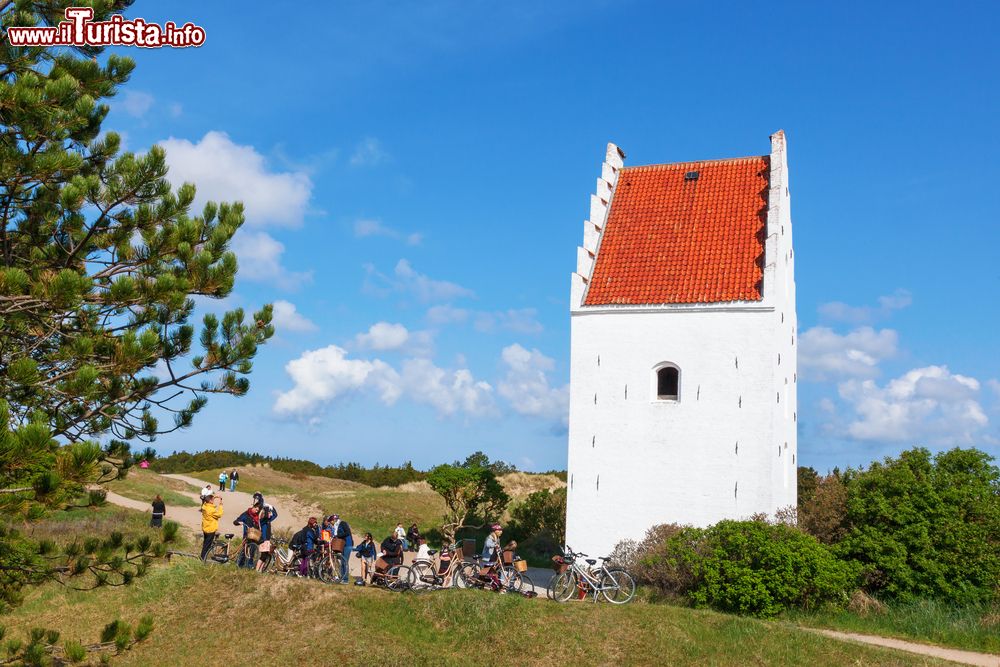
point(298, 539)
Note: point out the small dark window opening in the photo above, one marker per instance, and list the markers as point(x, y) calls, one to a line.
point(691, 176)
point(667, 380)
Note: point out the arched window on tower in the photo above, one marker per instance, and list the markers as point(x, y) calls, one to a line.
point(667, 382)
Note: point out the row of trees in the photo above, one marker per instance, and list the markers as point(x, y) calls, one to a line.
point(376, 475)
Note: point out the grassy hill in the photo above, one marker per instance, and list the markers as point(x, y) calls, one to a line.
point(208, 614)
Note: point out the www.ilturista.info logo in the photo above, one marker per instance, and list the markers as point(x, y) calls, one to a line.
point(79, 30)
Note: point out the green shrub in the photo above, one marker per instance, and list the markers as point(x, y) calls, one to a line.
point(926, 527)
point(754, 568)
point(746, 567)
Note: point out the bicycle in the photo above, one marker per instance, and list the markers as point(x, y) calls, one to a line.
point(221, 551)
point(325, 564)
point(426, 575)
point(284, 560)
point(509, 578)
point(614, 584)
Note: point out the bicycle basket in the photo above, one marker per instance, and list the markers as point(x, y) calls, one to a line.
point(559, 564)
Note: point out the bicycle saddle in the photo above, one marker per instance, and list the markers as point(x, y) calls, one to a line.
point(432, 551)
point(229, 536)
point(592, 561)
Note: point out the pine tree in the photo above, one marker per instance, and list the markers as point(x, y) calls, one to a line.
point(99, 261)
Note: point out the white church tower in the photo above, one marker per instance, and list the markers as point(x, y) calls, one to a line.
point(683, 358)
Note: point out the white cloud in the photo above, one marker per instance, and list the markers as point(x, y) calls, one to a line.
point(365, 227)
point(839, 311)
point(176, 109)
point(259, 257)
point(325, 375)
point(368, 153)
point(407, 280)
point(522, 320)
point(449, 392)
point(825, 354)
point(288, 318)
point(526, 385)
point(927, 405)
point(383, 336)
point(225, 171)
point(137, 103)
point(446, 314)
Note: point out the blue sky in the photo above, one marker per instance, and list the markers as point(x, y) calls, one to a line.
point(416, 180)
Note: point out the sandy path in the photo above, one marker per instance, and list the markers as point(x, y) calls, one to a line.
point(950, 654)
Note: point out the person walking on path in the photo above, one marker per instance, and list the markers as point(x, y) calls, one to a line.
point(400, 534)
point(159, 509)
point(234, 479)
point(211, 512)
point(222, 480)
point(342, 530)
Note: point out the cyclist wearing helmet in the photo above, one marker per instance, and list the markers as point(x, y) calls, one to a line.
point(491, 550)
point(258, 499)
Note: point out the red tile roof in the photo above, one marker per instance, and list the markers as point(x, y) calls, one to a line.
point(672, 240)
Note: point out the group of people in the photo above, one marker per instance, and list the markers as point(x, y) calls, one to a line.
point(375, 558)
point(232, 477)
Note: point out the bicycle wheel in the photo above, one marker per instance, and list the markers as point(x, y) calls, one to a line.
point(511, 580)
point(324, 569)
point(337, 563)
point(399, 578)
point(564, 586)
point(465, 576)
point(617, 586)
point(422, 576)
point(527, 585)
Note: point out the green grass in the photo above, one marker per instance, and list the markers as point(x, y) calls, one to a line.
point(972, 627)
point(144, 485)
point(201, 610)
point(64, 526)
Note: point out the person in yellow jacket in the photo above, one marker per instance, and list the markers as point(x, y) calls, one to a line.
point(211, 512)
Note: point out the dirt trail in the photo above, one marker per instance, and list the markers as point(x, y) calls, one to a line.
point(290, 514)
point(950, 654)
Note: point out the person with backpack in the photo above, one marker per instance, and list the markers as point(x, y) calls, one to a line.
point(342, 531)
point(305, 542)
point(250, 520)
point(267, 515)
point(211, 512)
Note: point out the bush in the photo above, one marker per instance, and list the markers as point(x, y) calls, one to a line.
point(824, 514)
point(754, 568)
point(926, 527)
point(746, 567)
